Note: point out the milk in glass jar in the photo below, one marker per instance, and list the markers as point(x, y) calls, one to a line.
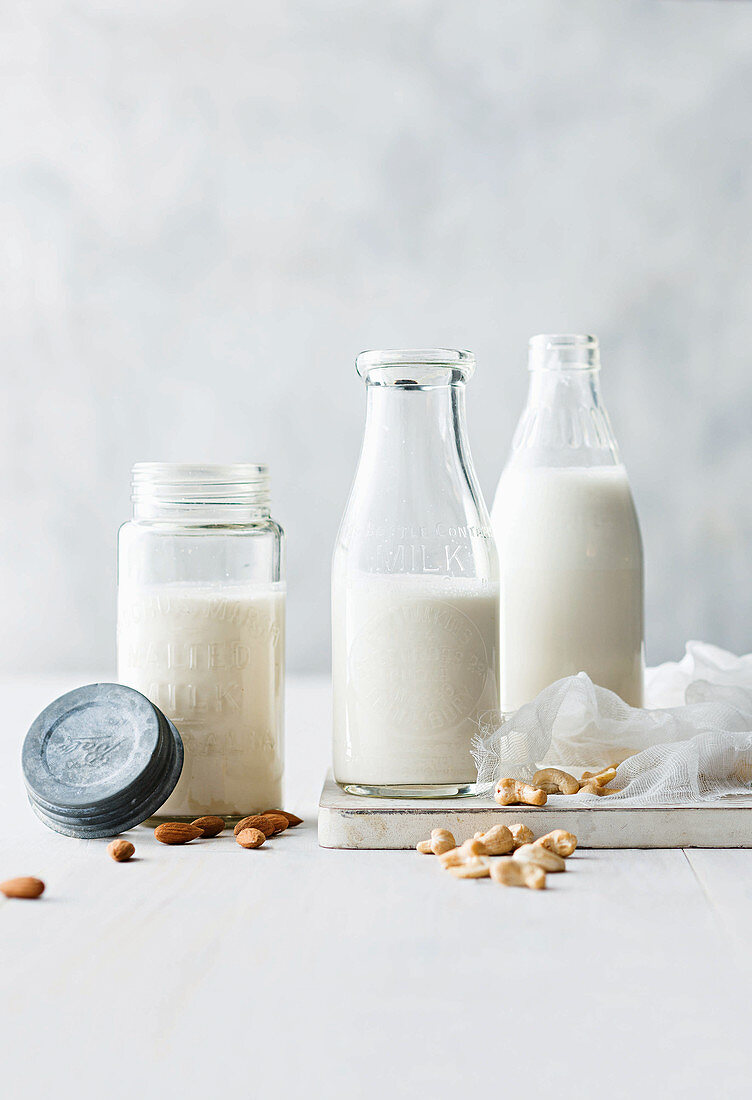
point(415, 594)
point(201, 628)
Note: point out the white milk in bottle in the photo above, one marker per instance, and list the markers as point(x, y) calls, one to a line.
point(415, 663)
point(415, 597)
point(570, 552)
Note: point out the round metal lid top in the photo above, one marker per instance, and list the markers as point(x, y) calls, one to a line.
point(99, 760)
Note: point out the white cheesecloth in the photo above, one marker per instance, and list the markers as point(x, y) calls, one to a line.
point(692, 742)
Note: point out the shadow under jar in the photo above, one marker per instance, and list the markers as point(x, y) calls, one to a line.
point(415, 595)
point(201, 629)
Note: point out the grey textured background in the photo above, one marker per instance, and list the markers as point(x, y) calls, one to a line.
point(209, 209)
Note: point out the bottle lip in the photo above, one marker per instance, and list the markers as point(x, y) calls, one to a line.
point(451, 358)
point(564, 351)
point(167, 487)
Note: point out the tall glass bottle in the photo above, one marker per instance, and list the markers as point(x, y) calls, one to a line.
point(414, 587)
point(569, 541)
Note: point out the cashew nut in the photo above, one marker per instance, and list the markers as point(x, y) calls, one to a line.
point(521, 835)
point(496, 842)
point(473, 847)
point(507, 872)
point(475, 867)
point(452, 858)
point(559, 841)
point(592, 786)
point(441, 841)
point(511, 791)
point(555, 781)
point(540, 856)
point(602, 778)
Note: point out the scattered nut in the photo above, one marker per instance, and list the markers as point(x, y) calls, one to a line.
point(209, 826)
point(507, 872)
point(541, 857)
point(24, 887)
point(441, 841)
point(472, 848)
point(559, 841)
point(452, 858)
point(511, 791)
point(555, 781)
point(279, 821)
point(496, 842)
point(592, 786)
point(177, 832)
point(263, 822)
point(121, 850)
point(250, 838)
point(475, 867)
point(521, 835)
point(602, 778)
point(292, 819)
point(528, 866)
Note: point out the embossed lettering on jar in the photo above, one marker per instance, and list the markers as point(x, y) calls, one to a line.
point(201, 616)
point(414, 587)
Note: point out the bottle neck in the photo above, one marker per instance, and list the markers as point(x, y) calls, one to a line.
point(415, 404)
point(411, 425)
point(564, 422)
point(415, 506)
point(568, 388)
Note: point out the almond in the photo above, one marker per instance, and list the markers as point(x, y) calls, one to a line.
point(280, 821)
point(292, 819)
point(25, 887)
point(121, 850)
point(209, 826)
point(258, 821)
point(250, 838)
point(176, 832)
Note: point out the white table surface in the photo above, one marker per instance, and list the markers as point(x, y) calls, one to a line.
point(297, 972)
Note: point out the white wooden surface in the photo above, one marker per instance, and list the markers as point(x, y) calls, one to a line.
point(300, 972)
point(352, 821)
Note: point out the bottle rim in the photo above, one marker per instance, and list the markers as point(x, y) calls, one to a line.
point(564, 351)
point(451, 358)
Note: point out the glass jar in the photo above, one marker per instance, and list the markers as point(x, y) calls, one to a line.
point(201, 628)
point(415, 597)
point(569, 542)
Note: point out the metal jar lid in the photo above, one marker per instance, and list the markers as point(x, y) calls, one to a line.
point(100, 760)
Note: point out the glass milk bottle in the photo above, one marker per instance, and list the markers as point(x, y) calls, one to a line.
point(569, 542)
point(415, 596)
point(201, 628)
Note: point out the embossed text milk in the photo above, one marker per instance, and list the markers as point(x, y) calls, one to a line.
point(201, 629)
point(414, 588)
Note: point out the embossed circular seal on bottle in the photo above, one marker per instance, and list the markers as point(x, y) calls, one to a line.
point(419, 661)
point(99, 760)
